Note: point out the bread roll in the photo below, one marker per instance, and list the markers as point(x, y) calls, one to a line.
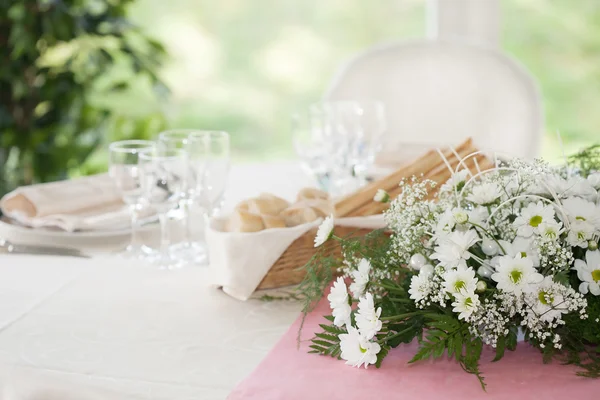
point(243, 221)
point(242, 205)
point(312, 193)
point(298, 215)
point(323, 208)
point(271, 205)
point(277, 202)
point(272, 221)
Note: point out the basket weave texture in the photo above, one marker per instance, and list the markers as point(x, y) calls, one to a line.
point(287, 270)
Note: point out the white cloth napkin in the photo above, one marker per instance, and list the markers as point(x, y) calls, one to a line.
point(240, 261)
point(90, 203)
point(23, 383)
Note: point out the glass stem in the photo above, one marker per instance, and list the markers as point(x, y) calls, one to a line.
point(134, 225)
point(187, 234)
point(164, 234)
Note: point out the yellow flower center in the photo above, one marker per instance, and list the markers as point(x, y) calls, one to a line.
point(580, 218)
point(551, 234)
point(516, 275)
point(596, 275)
point(523, 254)
point(580, 235)
point(535, 221)
point(545, 298)
point(458, 285)
point(469, 302)
point(362, 349)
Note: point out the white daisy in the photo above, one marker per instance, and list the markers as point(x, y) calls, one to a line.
point(485, 193)
point(578, 209)
point(420, 285)
point(546, 302)
point(479, 216)
point(339, 301)
point(594, 180)
point(457, 180)
point(580, 233)
point(460, 280)
point(367, 318)
point(550, 230)
point(325, 231)
point(588, 272)
point(381, 196)
point(531, 217)
point(357, 350)
point(563, 188)
point(360, 278)
point(460, 216)
point(453, 249)
point(515, 274)
point(524, 247)
point(465, 304)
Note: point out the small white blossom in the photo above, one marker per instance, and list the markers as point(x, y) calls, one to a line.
point(367, 318)
point(531, 217)
point(357, 350)
point(580, 232)
point(465, 304)
point(550, 230)
point(457, 181)
point(524, 247)
point(360, 278)
point(578, 209)
point(516, 274)
point(588, 272)
point(460, 280)
point(325, 231)
point(485, 193)
point(453, 249)
point(381, 196)
point(339, 302)
point(594, 180)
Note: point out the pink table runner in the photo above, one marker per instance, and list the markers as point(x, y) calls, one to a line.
point(291, 374)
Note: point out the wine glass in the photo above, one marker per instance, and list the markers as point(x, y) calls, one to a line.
point(124, 170)
point(209, 157)
point(162, 176)
point(192, 250)
point(368, 128)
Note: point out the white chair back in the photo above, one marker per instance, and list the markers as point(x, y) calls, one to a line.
point(438, 92)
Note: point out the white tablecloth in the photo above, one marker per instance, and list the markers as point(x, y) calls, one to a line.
point(105, 328)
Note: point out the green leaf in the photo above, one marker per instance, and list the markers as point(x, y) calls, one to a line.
point(332, 329)
point(381, 355)
point(330, 338)
point(500, 346)
point(511, 338)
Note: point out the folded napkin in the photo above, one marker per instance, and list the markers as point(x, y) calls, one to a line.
point(23, 383)
point(90, 203)
point(240, 261)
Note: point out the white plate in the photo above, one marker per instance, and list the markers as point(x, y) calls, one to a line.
point(100, 240)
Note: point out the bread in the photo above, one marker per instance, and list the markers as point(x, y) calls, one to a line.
point(271, 221)
point(312, 193)
point(267, 205)
point(298, 215)
point(269, 211)
point(323, 208)
point(244, 221)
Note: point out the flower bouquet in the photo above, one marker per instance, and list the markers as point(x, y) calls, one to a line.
point(502, 255)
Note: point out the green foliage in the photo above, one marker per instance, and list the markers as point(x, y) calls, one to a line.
point(587, 160)
point(69, 73)
point(447, 335)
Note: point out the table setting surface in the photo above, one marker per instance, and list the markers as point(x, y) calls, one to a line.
point(105, 323)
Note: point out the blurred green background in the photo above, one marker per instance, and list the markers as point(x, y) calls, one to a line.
point(243, 66)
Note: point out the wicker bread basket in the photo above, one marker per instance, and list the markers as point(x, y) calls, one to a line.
point(287, 269)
